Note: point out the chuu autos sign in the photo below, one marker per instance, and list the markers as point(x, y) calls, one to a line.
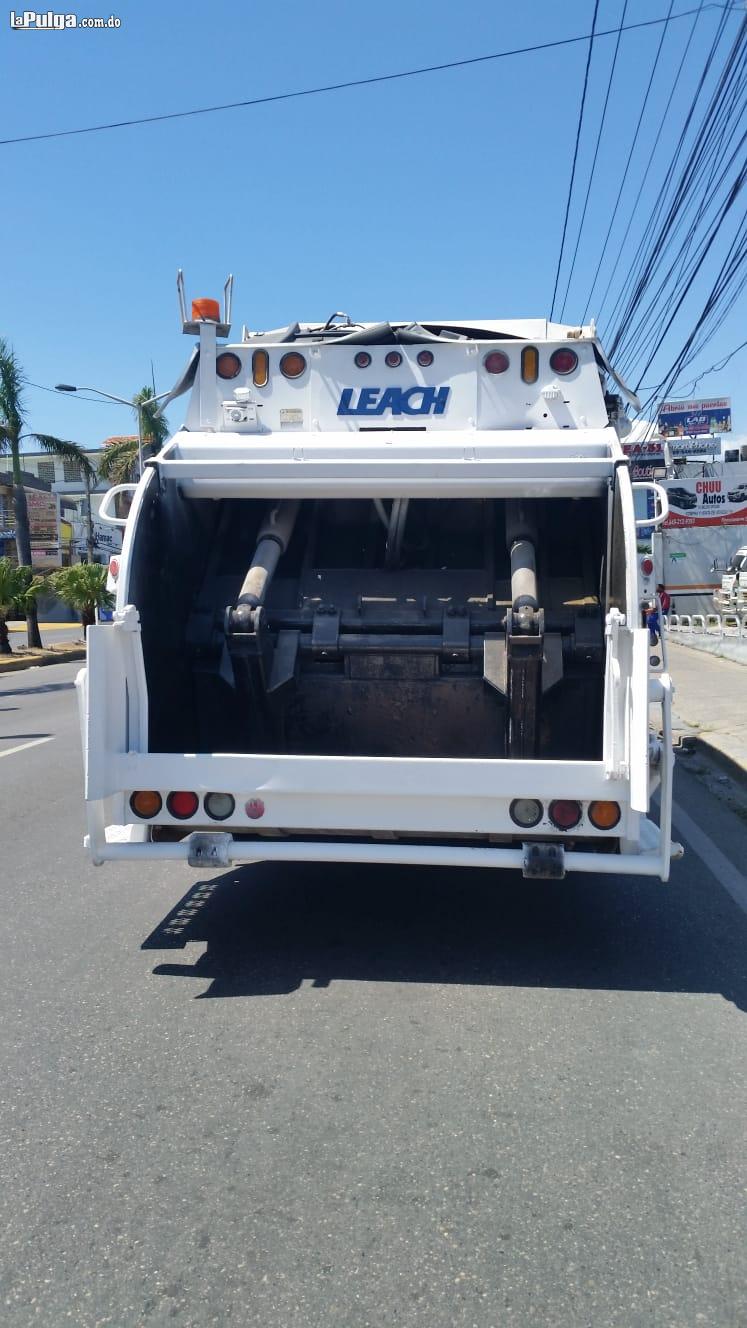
point(677, 419)
point(708, 500)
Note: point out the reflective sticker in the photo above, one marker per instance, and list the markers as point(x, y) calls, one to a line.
point(290, 417)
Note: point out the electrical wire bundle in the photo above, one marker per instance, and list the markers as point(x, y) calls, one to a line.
point(700, 198)
point(699, 202)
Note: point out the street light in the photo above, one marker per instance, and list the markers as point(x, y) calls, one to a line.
point(123, 401)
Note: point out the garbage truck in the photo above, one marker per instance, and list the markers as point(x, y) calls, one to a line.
point(379, 600)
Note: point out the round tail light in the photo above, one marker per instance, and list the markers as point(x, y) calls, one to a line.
point(146, 803)
point(565, 814)
point(292, 365)
point(525, 812)
point(362, 359)
point(496, 362)
point(563, 361)
point(604, 815)
point(228, 365)
point(182, 805)
point(114, 567)
point(393, 359)
point(425, 358)
point(647, 566)
point(219, 806)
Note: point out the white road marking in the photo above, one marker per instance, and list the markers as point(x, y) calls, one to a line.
point(732, 879)
point(36, 742)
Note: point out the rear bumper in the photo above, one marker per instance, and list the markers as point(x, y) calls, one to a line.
point(218, 849)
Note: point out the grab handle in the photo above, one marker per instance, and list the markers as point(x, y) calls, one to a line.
point(661, 494)
point(109, 496)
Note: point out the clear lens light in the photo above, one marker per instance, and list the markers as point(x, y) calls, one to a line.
point(526, 812)
point(219, 806)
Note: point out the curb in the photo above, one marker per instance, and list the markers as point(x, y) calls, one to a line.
point(10, 665)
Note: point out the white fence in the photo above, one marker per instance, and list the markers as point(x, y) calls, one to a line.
point(707, 624)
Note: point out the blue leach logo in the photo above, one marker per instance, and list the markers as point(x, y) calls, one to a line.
point(398, 400)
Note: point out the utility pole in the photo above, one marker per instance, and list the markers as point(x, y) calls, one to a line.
point(90, 542)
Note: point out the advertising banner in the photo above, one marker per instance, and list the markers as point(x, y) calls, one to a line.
point(42, 510)
point(651, 453)
point(679, 418)
point(708, 500)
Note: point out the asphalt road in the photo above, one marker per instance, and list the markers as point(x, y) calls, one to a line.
point(297, 1096)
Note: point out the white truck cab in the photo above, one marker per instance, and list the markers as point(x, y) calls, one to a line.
point(379, 601)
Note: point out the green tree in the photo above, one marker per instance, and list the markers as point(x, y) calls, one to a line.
point(119, 461)
point(83, 587)
point(18, 590)
point(12, 426)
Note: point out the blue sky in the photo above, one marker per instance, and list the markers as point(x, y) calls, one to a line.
point(441, 195)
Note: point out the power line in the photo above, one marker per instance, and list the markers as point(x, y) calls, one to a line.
point(715, 368)
point(356, 82)
point(641, 268)
point(641, 329)
point(575, 153)
point(657, 139)
point(613, 217)
point(78, 397)
point(620, 31)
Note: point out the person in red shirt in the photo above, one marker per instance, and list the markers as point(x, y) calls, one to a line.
point(664, 599)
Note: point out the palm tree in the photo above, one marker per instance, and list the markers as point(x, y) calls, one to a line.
point(119, 460)
point(12, 422)
point(18, 589)
point(83, 587)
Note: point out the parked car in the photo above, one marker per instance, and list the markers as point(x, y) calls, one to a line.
point(682, 498)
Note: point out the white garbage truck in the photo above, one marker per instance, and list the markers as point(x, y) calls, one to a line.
point(379, 600)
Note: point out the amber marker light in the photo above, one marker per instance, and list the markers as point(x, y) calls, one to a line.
point(260, 368)
point(146, 803)
point(530, 364)
point(604, 815)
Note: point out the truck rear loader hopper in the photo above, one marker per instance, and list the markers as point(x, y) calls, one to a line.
point(407, 645)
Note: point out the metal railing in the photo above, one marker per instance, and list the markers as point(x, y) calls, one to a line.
point(707, 624)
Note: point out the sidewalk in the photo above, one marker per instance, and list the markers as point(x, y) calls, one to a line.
point(710, 704)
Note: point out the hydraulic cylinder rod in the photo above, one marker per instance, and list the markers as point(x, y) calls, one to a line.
point(521, 538)
point(273, 538)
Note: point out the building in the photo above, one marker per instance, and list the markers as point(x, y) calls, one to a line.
point(65, 480)
point(44, 521)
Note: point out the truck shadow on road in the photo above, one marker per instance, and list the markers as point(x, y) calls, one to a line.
point(271, 927)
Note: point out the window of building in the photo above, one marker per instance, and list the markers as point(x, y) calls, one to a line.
point(72, 471)
point(46, 471)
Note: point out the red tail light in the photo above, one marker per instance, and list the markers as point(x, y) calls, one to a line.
point(496, 362)
point(182, 805)
point(292, 365)
point(228, 365)
point(565, 814)
point(393, 359)
point(563, 361)
point(114, 567)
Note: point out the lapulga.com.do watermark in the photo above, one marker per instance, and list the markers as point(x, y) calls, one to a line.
point(29, 21)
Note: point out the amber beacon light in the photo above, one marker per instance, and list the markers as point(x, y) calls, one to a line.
point(205, 311)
